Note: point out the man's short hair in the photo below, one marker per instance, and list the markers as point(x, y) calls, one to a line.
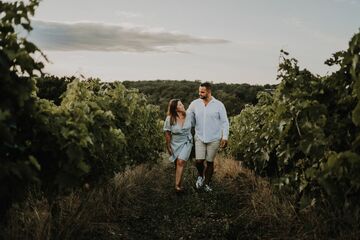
point(207, 85)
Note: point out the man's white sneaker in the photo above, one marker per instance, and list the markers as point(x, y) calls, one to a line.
point(207, 188)
point(199, 182)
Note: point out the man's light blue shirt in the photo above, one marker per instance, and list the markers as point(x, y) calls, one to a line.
point(211, 121)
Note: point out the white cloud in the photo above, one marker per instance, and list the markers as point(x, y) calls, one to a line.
point(95, 36)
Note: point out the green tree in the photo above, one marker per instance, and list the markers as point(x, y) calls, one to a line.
point(234, 96)
point(52, 87)
point(17, 95)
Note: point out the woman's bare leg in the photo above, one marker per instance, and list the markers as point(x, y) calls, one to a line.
point(180, 165)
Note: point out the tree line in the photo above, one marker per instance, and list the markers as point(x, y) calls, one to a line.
point(234, 96)
point(159, 92)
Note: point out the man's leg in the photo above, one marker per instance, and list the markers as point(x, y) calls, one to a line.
point(209, 171)
point(211, 151)
point(200, 167)
point(200, 154)
point(200, 178)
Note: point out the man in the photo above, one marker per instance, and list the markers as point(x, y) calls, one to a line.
point(211, 131)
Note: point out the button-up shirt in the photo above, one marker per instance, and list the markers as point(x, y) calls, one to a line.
point(211, 122)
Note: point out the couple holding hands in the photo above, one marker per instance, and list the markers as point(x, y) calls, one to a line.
point(208, 116)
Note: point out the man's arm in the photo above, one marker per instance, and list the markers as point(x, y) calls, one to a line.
point(224, 126)
point(191, 113)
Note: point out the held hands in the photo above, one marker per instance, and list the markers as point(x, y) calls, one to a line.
point(223, 143)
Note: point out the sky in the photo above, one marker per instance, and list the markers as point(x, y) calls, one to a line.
point(232, 41)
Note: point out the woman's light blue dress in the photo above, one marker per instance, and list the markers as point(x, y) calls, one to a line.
point(181, 138)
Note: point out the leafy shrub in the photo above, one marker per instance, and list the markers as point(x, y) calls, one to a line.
point(66, 139)
point(305, 135)
point(17, 96)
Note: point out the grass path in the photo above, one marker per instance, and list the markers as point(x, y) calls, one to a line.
point(148, 207)
point(141, 203)
point(157, 212)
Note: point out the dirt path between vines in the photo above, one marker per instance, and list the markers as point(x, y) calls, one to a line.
point(240, 207)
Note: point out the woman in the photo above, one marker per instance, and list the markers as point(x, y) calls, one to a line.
point(178, 137)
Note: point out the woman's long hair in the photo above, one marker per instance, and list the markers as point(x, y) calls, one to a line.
point(172, 110)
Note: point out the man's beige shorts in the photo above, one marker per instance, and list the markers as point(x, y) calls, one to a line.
point(206, 151)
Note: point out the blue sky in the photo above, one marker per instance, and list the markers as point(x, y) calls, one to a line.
point(209, 40)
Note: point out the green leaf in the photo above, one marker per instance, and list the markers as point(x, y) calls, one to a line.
point(34, 162)
point(30, 47)
point(83, 167)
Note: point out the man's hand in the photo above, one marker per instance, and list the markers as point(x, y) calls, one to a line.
point(223, 143)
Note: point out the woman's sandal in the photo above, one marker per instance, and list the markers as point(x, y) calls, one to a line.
point(179, 190)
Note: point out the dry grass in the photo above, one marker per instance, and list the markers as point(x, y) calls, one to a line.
point(139, 203)
point(28, 222)
point(37, 219)
point(263, 215)
point(269, 214)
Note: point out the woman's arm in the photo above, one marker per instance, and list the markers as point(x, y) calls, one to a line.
point(168, 140)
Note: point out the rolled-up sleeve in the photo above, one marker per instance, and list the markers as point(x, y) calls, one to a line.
point(224, 122)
